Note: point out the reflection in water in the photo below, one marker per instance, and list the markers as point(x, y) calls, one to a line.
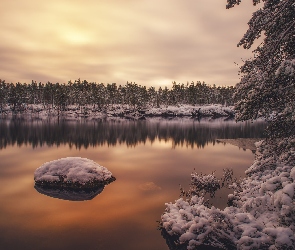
point(124, 215)
point(70, 194)
point(83, 134)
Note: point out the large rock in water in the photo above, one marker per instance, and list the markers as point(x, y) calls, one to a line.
point(72, 173)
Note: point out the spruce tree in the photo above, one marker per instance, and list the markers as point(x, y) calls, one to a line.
point(266, 88)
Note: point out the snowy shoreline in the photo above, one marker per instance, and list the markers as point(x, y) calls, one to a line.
point(261, 214)
point(121, 111)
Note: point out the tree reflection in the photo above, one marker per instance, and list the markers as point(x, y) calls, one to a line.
point(84, 134)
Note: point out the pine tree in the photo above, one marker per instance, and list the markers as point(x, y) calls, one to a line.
point(267, 86)
point(4, 90)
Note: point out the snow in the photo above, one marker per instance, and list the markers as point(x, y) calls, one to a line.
point(292, 173)
point(262, 215)
point(72, 172)
point(286, 68)
point(88, 112)
point(205, 182)
point(214, 110)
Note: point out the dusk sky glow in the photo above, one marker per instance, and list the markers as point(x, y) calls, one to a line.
point(144, 41)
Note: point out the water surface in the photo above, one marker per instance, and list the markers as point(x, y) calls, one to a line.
point(148, 158)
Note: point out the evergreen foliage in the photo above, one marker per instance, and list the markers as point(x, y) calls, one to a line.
point(83, 93)
point(267, 86)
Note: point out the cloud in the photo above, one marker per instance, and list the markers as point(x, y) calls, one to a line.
point(149, 42)
point(149, 186)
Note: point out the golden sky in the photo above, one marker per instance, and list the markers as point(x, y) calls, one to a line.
point(149, 42)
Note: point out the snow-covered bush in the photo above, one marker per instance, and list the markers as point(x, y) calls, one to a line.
point(196, 224)
point(262, 215)
point(206, 183)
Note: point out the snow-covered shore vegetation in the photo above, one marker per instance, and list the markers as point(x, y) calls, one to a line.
point(261, 214)
point(82, 98)
point(89, 112)
point(261, 211)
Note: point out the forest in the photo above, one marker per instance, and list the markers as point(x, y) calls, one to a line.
point(82, 93)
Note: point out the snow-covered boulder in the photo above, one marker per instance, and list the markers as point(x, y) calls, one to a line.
point(72, 172)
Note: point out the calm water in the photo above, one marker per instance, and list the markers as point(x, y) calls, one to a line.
point(148, 158)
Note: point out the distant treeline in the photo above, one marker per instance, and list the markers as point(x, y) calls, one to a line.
point(83, 93)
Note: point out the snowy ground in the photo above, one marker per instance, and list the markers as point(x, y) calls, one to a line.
point(261, 214)
point(125, 112)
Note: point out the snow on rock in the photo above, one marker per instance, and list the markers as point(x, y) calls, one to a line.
point(72, 172)
point(262, 215)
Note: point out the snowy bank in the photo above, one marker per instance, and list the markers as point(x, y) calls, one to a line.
point(72, 173)
point(262, 211)
point(121, 111)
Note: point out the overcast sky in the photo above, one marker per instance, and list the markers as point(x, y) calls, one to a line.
point(150, 42)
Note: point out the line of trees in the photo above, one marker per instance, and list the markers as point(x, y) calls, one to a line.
point(82, 93)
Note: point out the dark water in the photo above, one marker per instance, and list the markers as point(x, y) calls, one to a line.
point(148, 158)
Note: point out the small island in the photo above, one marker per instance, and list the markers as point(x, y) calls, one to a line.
point(73, 173)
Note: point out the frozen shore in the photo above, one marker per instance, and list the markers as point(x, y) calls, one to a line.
point(261, 211)
point(121, 111)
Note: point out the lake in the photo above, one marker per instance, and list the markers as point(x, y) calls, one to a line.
point(149, 159)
